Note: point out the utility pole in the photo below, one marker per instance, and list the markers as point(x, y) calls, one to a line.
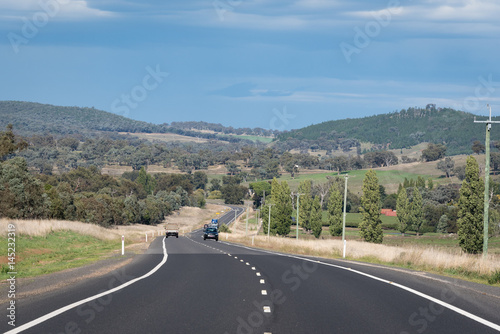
point(486, 180)
point(258, 214)
point(297, 220)
point(343, 219)
point(246, 226)
point(269, 221)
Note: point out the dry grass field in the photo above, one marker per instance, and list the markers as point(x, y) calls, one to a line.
point(166, 137)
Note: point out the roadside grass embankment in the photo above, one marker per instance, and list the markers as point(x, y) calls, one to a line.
point(47, 246)
point(438, 254)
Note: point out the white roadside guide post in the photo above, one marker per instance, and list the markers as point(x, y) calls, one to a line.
point(343, 220)
point(123, 244)
point(146, 237)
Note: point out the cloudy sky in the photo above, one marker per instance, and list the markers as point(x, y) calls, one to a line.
point(258, 63)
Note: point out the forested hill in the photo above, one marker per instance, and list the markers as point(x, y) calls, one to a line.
point(455, 129)
point(30, 118)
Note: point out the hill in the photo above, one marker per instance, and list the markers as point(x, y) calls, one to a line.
point(31, 118)
point(403, 129)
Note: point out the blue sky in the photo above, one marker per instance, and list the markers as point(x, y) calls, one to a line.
point(251, 63)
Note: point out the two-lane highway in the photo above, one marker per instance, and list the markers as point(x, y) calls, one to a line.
point(188, 285)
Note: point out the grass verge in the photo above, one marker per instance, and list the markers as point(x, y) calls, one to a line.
point(56, 251)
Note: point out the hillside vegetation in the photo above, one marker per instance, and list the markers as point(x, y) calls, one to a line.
point(34, 118)
point(403, 129)
point(30, 118)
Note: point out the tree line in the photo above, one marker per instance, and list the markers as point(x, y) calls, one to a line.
point(85, 194)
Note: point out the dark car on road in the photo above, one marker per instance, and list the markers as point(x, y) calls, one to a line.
point(211, 233)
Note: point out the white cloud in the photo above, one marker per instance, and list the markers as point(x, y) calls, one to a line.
point(58, 9)
point(440, 10)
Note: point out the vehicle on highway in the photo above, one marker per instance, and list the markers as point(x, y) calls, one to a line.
point(172, 230)
point(205, 227)
point(214, 223)
point(211, 233)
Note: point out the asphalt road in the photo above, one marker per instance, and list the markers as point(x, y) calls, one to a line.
point(215, 287)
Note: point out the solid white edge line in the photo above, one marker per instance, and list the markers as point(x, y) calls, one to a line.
point(418, 293)
point(69, 307)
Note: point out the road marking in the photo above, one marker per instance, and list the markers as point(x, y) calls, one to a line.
point(253, 268)
point(258, 274)
point(267, 309)
point(262, 281)
point(247, 264)
point(264, 292)
point(71, 306)
point(403, 287)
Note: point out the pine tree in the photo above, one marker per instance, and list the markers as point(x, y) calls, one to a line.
point(305, 204)
point(335, 212)
point(442, 224)
point(281, 211)
point(371, 225)
point(420, 182)
point(471, 209)
point(430, 184)
point(316, 217)
point(402, 210)
point(406, 183)
point(417, 212)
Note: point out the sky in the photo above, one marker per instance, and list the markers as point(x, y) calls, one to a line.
point(273, 64)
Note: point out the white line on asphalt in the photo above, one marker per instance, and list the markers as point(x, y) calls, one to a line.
point(69, 307)
point(418, 293)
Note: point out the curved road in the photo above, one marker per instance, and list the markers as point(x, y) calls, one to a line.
point(188, 285)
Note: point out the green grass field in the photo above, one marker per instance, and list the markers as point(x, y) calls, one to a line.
point(266, 140)
point(57, 251)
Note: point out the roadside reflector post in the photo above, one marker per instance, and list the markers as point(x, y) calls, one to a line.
point(343, 254)
point(253, 237)
point(146, 237)
point(123, 244)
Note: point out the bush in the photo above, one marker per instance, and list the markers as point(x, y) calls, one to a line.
point(427, 229)
point(224, 228)
point(495, 278)
point(215, 194)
